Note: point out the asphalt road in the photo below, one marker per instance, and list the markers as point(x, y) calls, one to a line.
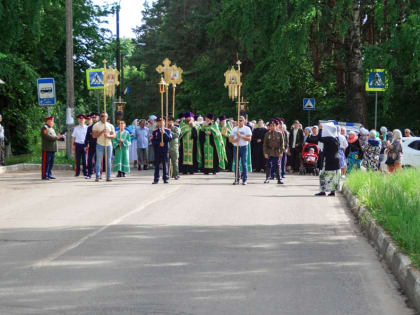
point(195, 246)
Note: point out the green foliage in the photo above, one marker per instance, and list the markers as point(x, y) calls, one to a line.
point(290, 50)
point(33, 46)
point(394, 201)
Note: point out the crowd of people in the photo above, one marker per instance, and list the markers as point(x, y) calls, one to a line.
point(192, 144)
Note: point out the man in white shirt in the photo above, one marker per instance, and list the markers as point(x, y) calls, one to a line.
point(240, 137)
point(104, 132)
point(2, 143)
point(78, 140)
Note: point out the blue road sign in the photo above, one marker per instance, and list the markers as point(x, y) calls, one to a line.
point(308, 104)
point(377, 80)
point(95, 79)
point(46, 92)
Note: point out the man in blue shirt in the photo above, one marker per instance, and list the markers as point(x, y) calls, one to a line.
point(142, 138)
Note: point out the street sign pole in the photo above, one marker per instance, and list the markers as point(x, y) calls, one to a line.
point(309, 117)
point(377, 81)
point(376, 108)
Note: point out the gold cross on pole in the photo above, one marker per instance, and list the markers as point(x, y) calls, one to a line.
point(166, 69)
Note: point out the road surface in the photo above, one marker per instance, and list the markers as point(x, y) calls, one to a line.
point(195, 246)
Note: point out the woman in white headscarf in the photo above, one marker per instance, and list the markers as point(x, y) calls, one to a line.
point(371, 150)
point(343, 146)
point(329, 177)
point(133, 146)
point(394, 151)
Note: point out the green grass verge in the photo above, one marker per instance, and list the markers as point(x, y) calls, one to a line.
point(394, 201)
point(36, 157)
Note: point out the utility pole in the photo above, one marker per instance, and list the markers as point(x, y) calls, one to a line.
point(69, 76)
point(119, 104)
point(118, 50)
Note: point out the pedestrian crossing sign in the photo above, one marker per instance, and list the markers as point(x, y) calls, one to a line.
point(377, 80)
point(308, 104)
point(95, 79)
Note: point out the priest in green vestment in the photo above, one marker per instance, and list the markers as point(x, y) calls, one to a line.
point(188, 145)
point(225, 128)
point(212, 146)
point(121, 144)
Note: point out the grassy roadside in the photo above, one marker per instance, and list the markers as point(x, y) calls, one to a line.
point(35, 157)
point(394, 201)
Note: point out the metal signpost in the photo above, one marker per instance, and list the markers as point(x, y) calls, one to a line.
point(377, 82)
point(309, 104)
point(46, 92)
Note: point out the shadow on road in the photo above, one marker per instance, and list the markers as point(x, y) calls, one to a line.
point(129, 269)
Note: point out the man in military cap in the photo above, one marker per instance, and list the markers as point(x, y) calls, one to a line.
point(160, 140)
point(273, 147)
point(78, 141)
point(90, 144)
point(174, 147)
point(49, 147)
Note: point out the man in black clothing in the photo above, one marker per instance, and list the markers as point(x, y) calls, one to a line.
point(90, 143)
point(295, 144)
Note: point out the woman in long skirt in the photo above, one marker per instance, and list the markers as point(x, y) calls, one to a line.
point(121, 144)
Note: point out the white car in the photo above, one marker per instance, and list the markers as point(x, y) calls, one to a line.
point(411, 151)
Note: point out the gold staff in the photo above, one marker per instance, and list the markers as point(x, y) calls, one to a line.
point(239, 113)
point(173, 100)
point(105, 83)
point(110, 81)
point(233, 83)
point(162, 84)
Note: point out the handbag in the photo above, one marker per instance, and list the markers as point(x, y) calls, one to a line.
point(390, 160)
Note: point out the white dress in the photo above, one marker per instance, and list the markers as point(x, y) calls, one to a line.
point(133, 146)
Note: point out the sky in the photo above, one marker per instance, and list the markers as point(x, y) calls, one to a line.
point(130, 16)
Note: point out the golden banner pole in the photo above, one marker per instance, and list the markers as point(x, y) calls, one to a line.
point(105, 148)
point(167, 101)
point(161, 84)
point(173, 100)
point(239, 113)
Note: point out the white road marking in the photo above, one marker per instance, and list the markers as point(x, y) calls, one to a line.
point(50, 258)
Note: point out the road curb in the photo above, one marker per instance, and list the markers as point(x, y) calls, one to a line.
point(31, 167)
point(400, 264)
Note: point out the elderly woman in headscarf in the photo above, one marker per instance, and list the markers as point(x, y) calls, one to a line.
point(353, 152)
point(307, 132)
point(371, 150)
point(329, 177)
point(343, 146)
point(363, 136)
point(133, 147)
point(394, 151)
point(257, 146)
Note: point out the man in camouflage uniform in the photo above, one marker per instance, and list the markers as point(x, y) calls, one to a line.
point(49, 147)
point(273, 147)
point(174, 147)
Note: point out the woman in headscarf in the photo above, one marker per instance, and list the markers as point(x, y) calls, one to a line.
point(306, 134)
point(394, 150)
point(133, 147)
point(353, 152)
point(371, 150)
point(363, 136)
point(343, 146)
point(329, 177)
point(257, 146)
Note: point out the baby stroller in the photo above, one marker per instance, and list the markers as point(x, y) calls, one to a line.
point(309, 159)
